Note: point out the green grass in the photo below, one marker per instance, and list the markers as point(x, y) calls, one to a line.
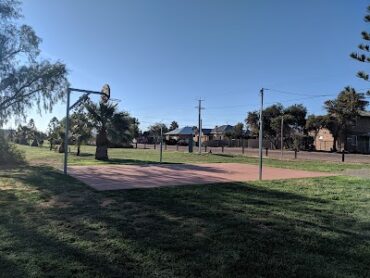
point(53, 225)
point(139, 156)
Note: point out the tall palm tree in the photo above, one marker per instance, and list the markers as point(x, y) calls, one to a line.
point(112, 127)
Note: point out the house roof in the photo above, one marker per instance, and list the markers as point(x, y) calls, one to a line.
point(206, 131)
point(187, 130)
point(222, 129)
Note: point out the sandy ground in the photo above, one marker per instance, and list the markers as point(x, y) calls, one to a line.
point(115, 177)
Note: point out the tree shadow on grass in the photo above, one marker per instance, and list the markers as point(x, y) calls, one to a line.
point(44, 249)
point(223, 155)
point(84, 154)
point(136, 161)
point(227, 230)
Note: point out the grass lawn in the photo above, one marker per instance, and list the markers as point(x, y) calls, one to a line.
point(53, 225)
point(139, 156)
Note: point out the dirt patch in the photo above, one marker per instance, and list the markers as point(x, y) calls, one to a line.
point(115, 177)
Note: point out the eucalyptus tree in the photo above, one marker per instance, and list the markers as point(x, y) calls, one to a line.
point(155, 131)
point(81, 128)
point(33, 134)
point(112, 126)
point(270, 114)
point(53, 131)
point(239, 131)
point(22, 135)
point(294, 123)
point(26, 80)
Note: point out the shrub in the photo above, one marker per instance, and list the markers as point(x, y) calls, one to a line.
point(9, 154)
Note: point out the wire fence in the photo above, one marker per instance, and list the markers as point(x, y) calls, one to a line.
point(267, 153)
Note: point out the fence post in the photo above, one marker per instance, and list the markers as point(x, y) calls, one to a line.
point(136, 145)
point(222, 148)
point(267, 151)
point(243, 146)
point(144, 146)
point(295, 153)
point(205, 148)
point(165, 146)
point(342, 155)
point(155, 146)
point(177, 147)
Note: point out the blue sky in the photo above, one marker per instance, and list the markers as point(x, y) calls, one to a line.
point(161, 56)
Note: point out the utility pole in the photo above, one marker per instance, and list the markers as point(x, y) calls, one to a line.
point(260, 136)
point(282, 136)
point(200, 108)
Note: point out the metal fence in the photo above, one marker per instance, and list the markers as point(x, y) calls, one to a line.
point(267, 152)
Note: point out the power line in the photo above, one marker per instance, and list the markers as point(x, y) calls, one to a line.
point(300, 94)
point(229, 106)
point(299, 99)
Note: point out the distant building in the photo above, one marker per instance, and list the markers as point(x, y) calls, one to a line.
point(358, 137)
point(221, 132)
point(206, 135)
point(324, 140)
point(184, 133)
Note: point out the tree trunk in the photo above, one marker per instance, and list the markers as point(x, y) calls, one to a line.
point(102, 142)
point(51, 144)
point(334, 144)
point(344, 140)
point(101, 153)
point(61, 148)
point(34, 143)
point(78, 150)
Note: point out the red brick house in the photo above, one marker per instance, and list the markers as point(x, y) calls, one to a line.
point(358, 138)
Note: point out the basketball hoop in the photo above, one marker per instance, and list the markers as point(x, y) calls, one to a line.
point(105, 96)
point(105, 93)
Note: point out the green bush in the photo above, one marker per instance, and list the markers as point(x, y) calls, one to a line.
point(9, 154)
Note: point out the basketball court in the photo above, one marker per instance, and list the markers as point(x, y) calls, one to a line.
point(116, 177)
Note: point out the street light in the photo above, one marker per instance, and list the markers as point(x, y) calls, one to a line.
point(105, 96)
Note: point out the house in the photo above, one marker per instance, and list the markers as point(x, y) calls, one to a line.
point(206, 135)
point(358, 137)
point(184, 133)
point(324, 140)
point(222, 132)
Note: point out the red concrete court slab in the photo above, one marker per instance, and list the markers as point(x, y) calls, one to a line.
point(115, 177)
